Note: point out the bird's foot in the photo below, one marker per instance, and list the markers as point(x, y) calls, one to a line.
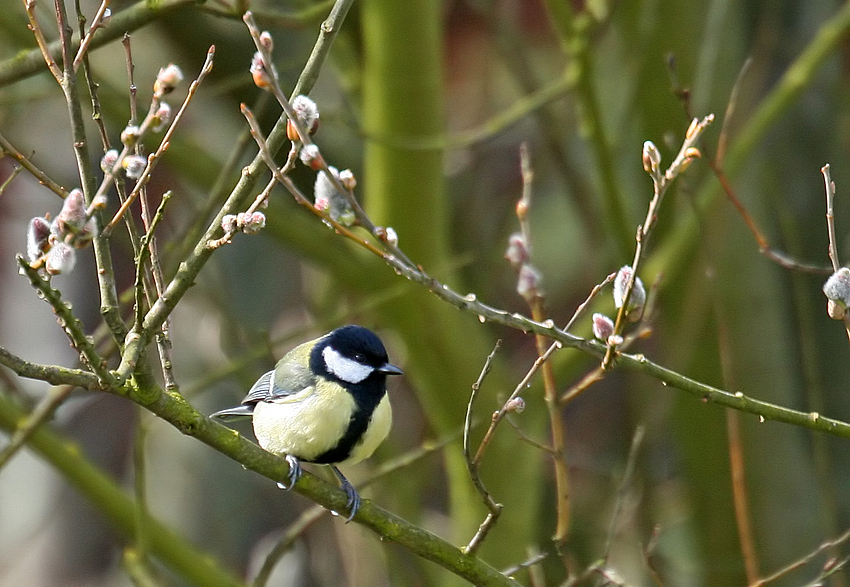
point(294, 472)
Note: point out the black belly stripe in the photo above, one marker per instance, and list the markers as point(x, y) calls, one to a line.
point(366, 400)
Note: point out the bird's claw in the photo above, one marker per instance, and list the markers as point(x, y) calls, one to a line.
point(353, 502)
point(294, 472)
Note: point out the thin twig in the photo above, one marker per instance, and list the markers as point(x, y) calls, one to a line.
point(830, 217)
point(550, 392)
point(622, 491)
point(23, 161)
point(95, 24)
point(154, 157)
point(38, 33)
point(472, 466)
point(830, 227)
point(70, 324)
point(42, 413)
point(16, 169)
point(828, 545)
point(304, 138)
point(661, 182)
point(716, 164)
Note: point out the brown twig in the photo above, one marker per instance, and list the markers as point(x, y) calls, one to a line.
point(716, 165)
point(830, 228)
point(95, 24)
point(23, 161)
point(660, 182)
point(828, 545)
point(550, 392)
point(305, 141)
point(35, 27)
point(154, 157)
point(472, 465)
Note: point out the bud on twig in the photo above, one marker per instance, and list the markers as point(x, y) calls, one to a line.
point(38, 233)
point(107, 162)
point(837, 291)
point(637, 299)
point(258, 72)
point(517, 252)
point(130, 135)
point(327, 197)
point(528, 284)
point(311, 157)
point(651, 157)
point(60, 259)
point(72, 218)
point(515, 405)
point(167, 79)
point(308, 115)
point(162, 117)
point(603, 327)
point(134, 165)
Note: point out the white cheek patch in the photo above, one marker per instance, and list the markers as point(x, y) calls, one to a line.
point(346, 369)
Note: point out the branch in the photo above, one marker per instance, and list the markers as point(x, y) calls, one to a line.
point(135, 17)
point(196, 567)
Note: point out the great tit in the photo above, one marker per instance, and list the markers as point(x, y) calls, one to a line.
point(325, 402)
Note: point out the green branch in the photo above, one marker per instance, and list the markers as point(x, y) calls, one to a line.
point(135, 17)
point(175, 410)
point(194, 566)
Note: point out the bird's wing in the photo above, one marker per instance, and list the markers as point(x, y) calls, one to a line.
point(293, 381)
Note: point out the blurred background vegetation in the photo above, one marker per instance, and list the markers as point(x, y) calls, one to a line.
point(428, 103)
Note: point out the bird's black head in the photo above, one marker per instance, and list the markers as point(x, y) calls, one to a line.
point(351, 355)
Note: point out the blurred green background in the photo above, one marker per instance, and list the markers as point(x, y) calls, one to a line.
point(428, 102)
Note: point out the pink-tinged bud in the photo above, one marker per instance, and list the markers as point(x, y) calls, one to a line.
point(38, 233)
point(104, 20)
point(266, 40)
point(837, 290)
point(228, 223)
point(517, 252)
point(161, 118)
point(528, 283)
point(338, 207)
point(251, 223)
point(108, 161)
point(60, 259)
point(311, 157)
point(130, 135)
point(134, 166)
point(73, 217)
point(603, 327)
point(259, 73)
point(308, 115)
point(322, 203)
point(515, 405)
point(638, 297)
point(167, 79)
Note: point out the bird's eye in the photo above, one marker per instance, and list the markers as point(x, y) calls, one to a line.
point(360, 357)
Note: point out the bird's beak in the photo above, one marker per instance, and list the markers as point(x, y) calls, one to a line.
point(388, 369)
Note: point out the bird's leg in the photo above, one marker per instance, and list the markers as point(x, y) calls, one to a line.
point(353, 502)
point(294, 472)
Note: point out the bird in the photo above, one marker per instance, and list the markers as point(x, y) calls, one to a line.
point(325, 402)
